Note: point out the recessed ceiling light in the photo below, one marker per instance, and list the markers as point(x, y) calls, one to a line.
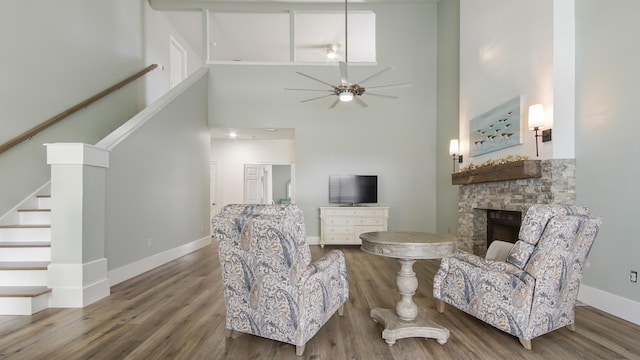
point(233, 135)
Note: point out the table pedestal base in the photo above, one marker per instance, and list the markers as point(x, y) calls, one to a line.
point(395, 328)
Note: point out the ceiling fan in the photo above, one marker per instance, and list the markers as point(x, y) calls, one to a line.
point(347, 91)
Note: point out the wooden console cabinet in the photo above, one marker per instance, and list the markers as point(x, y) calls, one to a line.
point(343, 225)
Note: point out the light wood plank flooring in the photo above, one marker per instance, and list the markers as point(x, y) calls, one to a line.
point(177, 312)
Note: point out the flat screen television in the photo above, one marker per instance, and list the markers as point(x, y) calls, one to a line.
point(353, 189)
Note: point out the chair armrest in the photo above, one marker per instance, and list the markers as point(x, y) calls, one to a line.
point(329, 269)
point(326, 281)
point(498, 267)
point(324, 287)
point(495, 274)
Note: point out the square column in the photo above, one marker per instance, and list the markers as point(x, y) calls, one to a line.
point(78, 270)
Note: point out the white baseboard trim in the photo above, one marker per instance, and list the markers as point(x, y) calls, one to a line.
point(313, 240)
point(613, 304)
point(78, 285)
point(79, 297)
point(136, 268)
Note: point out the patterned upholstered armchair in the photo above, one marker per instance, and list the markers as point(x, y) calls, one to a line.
point(271, 287)
point(535, 290)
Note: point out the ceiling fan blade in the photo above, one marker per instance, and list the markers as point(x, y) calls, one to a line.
point(376, 74)
point(360, 102)
point(390, 86)
point(381, 95)
point(334, 103)
point(318, 80)
point(323, 90)
point(344, 76)
point(316, 98)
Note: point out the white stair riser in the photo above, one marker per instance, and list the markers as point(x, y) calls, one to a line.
point(25, 234)
point(23, 305)
point(23, 277)
point(25, 254)
point(35, 218)
point(44, 203)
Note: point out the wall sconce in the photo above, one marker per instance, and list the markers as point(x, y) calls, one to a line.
point(536, 122)
point(454, 149)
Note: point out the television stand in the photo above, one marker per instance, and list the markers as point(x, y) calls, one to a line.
point(342, 225)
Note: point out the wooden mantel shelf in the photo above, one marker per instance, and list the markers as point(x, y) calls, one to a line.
point(523, 169)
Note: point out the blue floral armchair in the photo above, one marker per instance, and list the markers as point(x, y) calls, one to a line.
point(535, 290)
point(271, 287)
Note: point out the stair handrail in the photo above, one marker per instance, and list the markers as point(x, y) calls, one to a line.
point(35, 130)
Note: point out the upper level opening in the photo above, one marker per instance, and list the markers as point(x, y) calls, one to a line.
point(290, 37)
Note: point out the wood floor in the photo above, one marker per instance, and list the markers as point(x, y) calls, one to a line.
point(177, 312)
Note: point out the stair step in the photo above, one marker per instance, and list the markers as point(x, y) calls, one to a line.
point(34, 216)
point(30, 226)
point(24, 244)
point(24, 265)
point(23, 233)
point(23, 300)
point(25, 251)
point(23, 273)
point(23, 291)
point(44, 201)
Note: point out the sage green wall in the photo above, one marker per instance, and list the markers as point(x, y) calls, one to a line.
point(394, 139)
point(448, 115)
point(607, 76)
point(157, 183)
point(54, 55)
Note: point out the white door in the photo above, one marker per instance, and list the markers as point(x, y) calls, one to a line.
point(266, 179)
point(213, 192)
point(251, 184)
point(177, 62)
point(257, 184)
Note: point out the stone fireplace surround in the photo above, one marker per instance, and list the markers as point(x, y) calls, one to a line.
point(555, 186)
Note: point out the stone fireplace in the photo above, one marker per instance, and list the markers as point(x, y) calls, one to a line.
point(500, 188)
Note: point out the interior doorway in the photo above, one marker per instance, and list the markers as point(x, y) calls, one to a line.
point(269, 183)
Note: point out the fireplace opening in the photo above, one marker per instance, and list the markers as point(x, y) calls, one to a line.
point(503, 225)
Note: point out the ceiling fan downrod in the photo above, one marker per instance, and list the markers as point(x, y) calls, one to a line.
point(346, 39)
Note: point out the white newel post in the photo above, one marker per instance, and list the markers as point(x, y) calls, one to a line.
point(78, 270)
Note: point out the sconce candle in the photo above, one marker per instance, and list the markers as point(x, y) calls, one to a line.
point(536, 117)
point(536, 121)
point(454, 148)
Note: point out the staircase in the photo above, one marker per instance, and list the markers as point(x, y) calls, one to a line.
point(25, 253)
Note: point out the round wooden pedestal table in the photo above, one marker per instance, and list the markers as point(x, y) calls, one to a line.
point(408, 320)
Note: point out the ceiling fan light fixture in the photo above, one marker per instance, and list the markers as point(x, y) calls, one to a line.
point(332, 51)
point(345, 96)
